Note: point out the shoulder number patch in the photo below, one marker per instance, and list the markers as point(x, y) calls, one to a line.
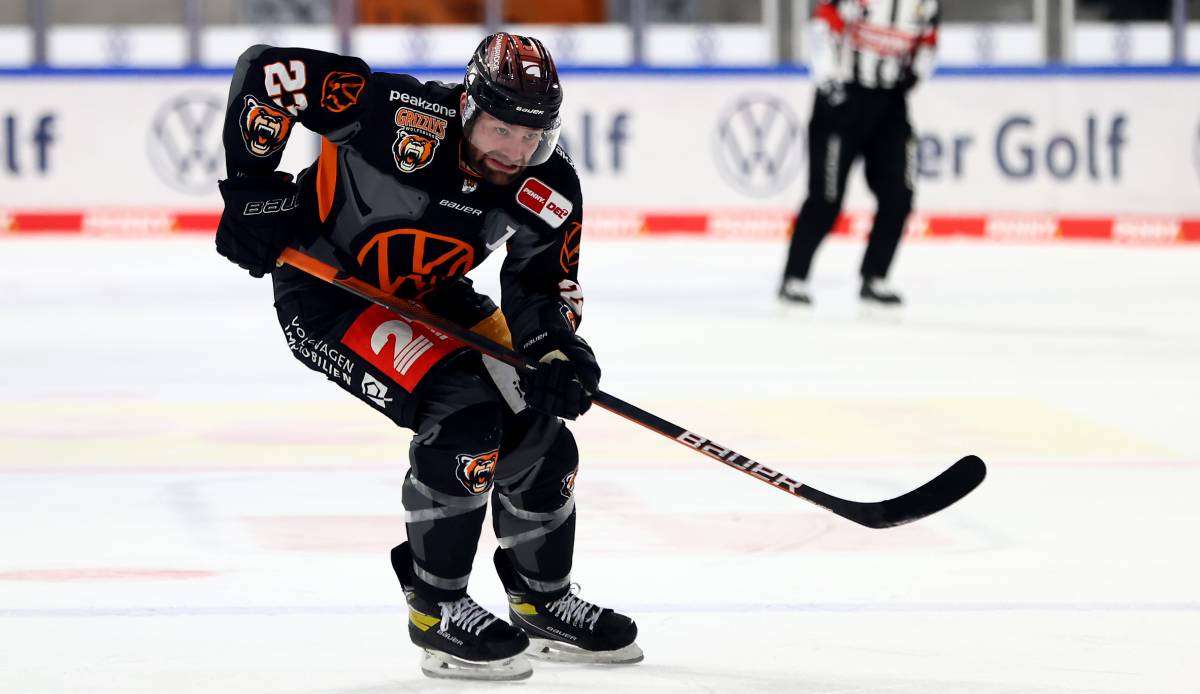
point(537, 197)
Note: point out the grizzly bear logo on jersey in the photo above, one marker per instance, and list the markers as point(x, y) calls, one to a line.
point(341, 90)
point(413, 150)
point(417, 136)
point(476, 471)
point(265, 128)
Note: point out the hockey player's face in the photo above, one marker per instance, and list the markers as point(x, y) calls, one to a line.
point(499, 150)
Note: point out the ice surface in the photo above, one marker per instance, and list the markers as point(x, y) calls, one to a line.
point(187, 509)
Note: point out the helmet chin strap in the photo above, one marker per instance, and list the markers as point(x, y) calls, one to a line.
point(464, 160)
point(469, 110)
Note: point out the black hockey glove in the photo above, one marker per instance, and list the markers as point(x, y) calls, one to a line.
point(566, 377)
point(260, 219)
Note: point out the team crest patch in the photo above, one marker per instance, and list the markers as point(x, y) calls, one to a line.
point(537, 197)
point(341, 90)
point(417, 138)
point(265, 129)
point(476, 471)
point(568, 484)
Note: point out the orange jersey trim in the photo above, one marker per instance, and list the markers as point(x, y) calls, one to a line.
point(326, 177)
point(494, 328)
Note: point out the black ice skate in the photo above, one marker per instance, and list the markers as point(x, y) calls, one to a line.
point(794, 291)
point(461, 640)
point(877, 292)
point(564, 628)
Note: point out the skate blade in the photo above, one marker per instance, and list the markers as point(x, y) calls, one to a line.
point(447, 667)
point(558, 652)
point(799, 308)
point(875, 312)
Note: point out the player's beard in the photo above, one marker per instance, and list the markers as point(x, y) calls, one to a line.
point(476, 157)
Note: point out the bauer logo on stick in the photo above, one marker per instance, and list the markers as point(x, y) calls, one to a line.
point(475, 471)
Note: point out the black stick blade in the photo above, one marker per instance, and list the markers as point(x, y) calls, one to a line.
point(954, 483)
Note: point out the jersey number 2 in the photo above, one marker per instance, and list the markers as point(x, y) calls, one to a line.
point(290, 79)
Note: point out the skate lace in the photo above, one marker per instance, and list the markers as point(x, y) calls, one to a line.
point(575, 611)
point(466, 614)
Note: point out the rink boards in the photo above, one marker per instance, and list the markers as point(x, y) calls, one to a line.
point(1003, 155)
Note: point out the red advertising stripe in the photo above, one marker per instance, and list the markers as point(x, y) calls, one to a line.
point(767, 224)
point(196, 222)
point(686, 223)
point(842, 226)
point(45, 222)
point(956, 226)
point(1089, 228)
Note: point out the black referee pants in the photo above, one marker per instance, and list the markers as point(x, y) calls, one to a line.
point(872, 123)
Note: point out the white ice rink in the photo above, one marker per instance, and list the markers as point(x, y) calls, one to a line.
point(185, 508)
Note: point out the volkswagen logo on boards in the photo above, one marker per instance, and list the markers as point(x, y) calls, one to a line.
point(759, 144)
point(184, 143)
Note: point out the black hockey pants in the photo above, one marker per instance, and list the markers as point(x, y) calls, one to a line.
point(469, 442)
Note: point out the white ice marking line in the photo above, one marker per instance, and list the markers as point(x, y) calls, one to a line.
point(707, 608)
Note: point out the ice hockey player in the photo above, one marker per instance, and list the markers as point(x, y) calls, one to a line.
point(866, 57)
point(416, 183)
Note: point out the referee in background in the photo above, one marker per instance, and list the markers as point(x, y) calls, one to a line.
point(866, 56)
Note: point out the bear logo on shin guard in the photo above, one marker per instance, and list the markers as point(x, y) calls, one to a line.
point(476, 471)
point(568, 484)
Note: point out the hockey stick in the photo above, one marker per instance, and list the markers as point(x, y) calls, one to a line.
point(951, 485)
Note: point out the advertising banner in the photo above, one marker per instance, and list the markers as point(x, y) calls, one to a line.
point(1024, 156)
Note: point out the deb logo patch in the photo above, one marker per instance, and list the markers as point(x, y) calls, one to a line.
point(542, 200)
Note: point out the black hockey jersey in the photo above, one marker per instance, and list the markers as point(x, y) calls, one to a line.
point(877, 44)
point(391, 196)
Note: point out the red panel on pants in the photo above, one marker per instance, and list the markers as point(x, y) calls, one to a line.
point(402, 349)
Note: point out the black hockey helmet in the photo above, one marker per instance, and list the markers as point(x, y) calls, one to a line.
point(513, 78)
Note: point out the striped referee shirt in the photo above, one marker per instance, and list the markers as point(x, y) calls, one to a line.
point(877, 44)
